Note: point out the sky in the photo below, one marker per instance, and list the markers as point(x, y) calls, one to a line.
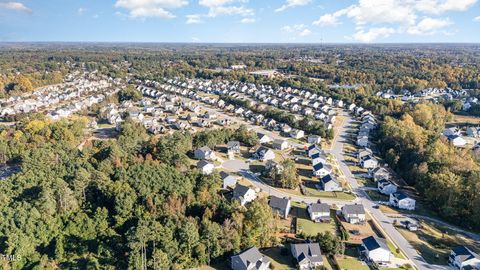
point(241, 21)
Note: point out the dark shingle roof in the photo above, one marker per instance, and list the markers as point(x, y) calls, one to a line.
point(278, 203)
point(353, 209)
point(320, 207)
point(372, 243)
point(400, 195)
point(240, 190)
point(310, 251)
point(463, 253)
point(202, 163)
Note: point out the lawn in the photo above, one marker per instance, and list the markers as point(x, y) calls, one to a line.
point(324, 194)
point(367, 182)
point(279, 261)
point(350, 263)
point(394, 250)
point(434, 242)
point(377, 196)
point(308, 227)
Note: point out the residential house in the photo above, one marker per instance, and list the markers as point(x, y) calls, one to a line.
point(369, 162)
point(463, 258)
point(314, 139)
point(321, 169)
point(233, 147)
point(329, 183)
point(205, 167)
point(204, 153)
point(386, 187)
point(318, 158)
point(376, 249)
point(362, 141)
point(280, 206)
point(319, 212)
point(313, 149)
point(364, 152)
point(250, 259)
point(280, 144)
point(297, 134)
point(451, 131)
point(353, 213)
point(380, 173)
point(473, 132)
point(229, 181)
point(457, 140)
point(307, 255)
point(264, 154)
point(401, 200)
point(244, 194)
point(263, 138)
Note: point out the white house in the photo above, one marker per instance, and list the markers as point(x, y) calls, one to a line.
point(263, 138)
point(264, 154)
point(328, 183)
point(353, 213)
point(244, 194)
point(318, 158)
point(463, 258)
point(457, 140)
point(307, 255)
point(402, 201)
point(369, 162)
point(229, 181)
point(280, 206)
point(321, 169)
point(297, 134)
point(376, 249)
point(386, 187)
point(205, 167)
point(280, 144)
point(204, 153)
point(314, 139)
point(319, 212)
point(313, 149)
point(250, 259)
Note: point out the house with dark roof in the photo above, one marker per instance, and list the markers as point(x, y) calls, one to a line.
point(205, 167)
point(233, 147)
point(369, 162)
point(364, 152)
point(313, 149)
point(244, 194)
point(353, 213)
point(321, 169)
point(263, 138)
point(229, 181)
point(386, 187)
point(307, 255)
point(250, 259)
point(376, 249)
point(204, 153)
point(329, 183)
point(280, 144)
point(464, 259)
point(319, 212)
point(380, 173)
point(401, 200)
point(264, 154)
point(280, 206)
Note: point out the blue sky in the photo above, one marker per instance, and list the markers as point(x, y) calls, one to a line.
point(264, 21)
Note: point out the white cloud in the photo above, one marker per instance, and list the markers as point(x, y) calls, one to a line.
point(195, 39)
point(374, 18)
point(193, 19)
point(230, 10)
point(477, 19)
point(305, 32)
point(373, 34)
point(293, 3)
point(150, 8)
point(81, 10)
point(428, 26)
point(330, 19)
point(297, 30)
point(16, 6)
point(248, 20)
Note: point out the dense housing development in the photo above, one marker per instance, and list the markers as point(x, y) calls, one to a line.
point(231, 157)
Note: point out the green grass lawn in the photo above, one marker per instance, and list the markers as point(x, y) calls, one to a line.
point(377, 196)
point(350, 263)
point(310, 228)
point(394, 250)
point(366, 182)
point(279, 261)
point(324, 194)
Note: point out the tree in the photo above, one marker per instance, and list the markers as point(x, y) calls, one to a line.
point(129, 93)
point(285, 174)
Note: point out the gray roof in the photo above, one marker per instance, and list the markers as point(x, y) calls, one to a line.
point(464, 254)
point(240, 191)
point(250, 257)
point(279, 203)
point(233, 144)
point(205, 149)
point(353, 209)
point(309, 251)
point(400, 195)
point(372, 243)
point(320, 207)
point(202, 163)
